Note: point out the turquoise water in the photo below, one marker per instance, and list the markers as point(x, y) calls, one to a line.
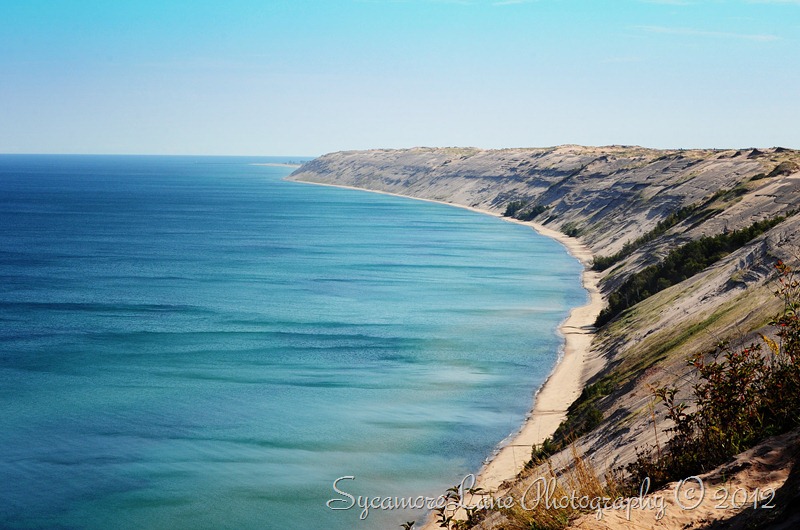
point(197, 343)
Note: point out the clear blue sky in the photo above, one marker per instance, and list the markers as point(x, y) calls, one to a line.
point(302, 77)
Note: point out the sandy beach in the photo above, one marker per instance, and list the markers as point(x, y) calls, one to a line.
point(568, 377)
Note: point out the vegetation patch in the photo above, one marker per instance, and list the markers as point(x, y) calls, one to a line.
point(697, 213)
point(729, 194)
point(523, 211)
point(670, 342)
point(784, 168)
point(679, 265)
point(744, 395)
point(582, 417)
point(601, 263)
point(580, 481)
point(513, 207)
point(571, 229)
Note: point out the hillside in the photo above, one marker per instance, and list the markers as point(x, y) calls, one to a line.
point(631, 207)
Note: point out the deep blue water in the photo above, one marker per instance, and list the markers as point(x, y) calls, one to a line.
point(193, 342)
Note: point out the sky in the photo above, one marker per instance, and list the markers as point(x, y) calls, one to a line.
point(303, 77)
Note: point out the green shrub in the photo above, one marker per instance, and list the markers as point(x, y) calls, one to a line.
point(582, 416)
point(743, 396)
point(513, 207)
point(530, 214)
point(519, 210)
point(571, 229)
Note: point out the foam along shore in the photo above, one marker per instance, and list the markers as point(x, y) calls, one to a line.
point(566, 381)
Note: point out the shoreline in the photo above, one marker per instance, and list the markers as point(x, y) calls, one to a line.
point(573, 367)
point(566, 381)
point(276, 164)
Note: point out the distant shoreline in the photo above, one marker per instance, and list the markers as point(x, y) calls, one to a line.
point(277, 164)
point(569, 375)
